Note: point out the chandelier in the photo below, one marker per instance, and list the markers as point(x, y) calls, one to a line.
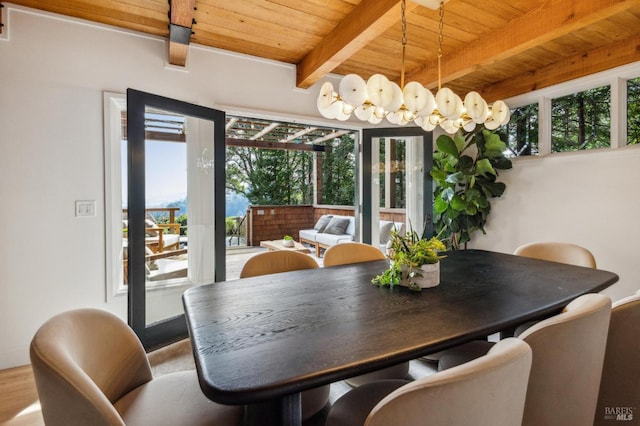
point(379, 98)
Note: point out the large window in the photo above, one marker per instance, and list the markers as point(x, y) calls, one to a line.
point(521, 133)
point(633, 111)
point(581, 121)
point(597, 111)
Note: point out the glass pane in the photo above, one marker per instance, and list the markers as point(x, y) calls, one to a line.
point(179, 228)
point(397, 172)
point(581, 121)
point(338, 172)
point(521, 133)
point(633, 111)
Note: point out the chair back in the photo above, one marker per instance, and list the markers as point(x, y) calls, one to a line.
point(83, 361)
point(351, 252)
point(568, 352)
point(620, 384)
point(273, 262)
point(460, 396)
point(568, 253)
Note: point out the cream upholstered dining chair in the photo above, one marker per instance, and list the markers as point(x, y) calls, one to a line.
point(568, 253)
point(273, 262)
point(91, 369)
point(620, 384)
point(351, 252)
point(487, 391)
point(568, 353)
point(354, 252)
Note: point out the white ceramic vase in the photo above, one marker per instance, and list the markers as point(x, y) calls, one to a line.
point(430, 275)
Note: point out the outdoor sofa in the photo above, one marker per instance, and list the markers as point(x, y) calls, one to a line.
point(335, 229)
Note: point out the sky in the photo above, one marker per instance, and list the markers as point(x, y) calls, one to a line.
point(166, 172)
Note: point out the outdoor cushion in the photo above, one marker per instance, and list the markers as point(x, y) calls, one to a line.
point(322, 223)
point(331, 239)
point(308, 234)
point(337, 226)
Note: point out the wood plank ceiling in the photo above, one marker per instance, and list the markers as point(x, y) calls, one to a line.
point(500, 48)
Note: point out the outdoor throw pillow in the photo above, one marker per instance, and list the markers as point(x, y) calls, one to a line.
point(385, 231)
point(337, 226)
point(149, 224)
point(322, 223)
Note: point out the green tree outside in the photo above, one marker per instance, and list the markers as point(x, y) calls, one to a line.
point(581, 121)
point(285, 177)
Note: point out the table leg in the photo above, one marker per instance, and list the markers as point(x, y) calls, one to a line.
point(285, 411)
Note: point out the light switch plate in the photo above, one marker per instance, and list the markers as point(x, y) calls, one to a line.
point(85, 208)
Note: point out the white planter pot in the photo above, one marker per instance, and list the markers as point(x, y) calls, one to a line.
point(287, 243)
point(426, 277)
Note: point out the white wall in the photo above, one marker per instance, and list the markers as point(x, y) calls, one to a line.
point(53, 73)
point(588, 198)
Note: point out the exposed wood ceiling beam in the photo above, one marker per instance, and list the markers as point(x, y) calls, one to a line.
point(246, 143)
point(181, 15)
point(364, 24)
point(596, 60)
point(547, 22)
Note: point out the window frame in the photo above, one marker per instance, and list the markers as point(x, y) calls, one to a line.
point(616, 78)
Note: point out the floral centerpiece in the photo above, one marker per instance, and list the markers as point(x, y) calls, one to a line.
point(414, 261)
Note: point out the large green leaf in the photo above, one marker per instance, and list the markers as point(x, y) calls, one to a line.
point(458, 203)
point(440, 206)
point(457, 177)
point(502, 163)
point(447, 145)
point(447, 194)
point(493, 142)
point(496, 189)
point(493, 153)
point(484, 167)
point(438, 174)
point(465, 164)
point(460, 142)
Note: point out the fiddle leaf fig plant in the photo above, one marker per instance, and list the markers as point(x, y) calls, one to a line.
point(465, 172)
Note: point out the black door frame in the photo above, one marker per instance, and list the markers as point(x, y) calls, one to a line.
point(172, 329)
point(367, 175)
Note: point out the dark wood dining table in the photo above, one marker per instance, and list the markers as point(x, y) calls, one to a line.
point(260, 341)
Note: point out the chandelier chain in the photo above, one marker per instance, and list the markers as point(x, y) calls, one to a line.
point(404, 40)
point(440, 39)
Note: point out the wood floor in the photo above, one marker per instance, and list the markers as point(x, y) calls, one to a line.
point(18, 398)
